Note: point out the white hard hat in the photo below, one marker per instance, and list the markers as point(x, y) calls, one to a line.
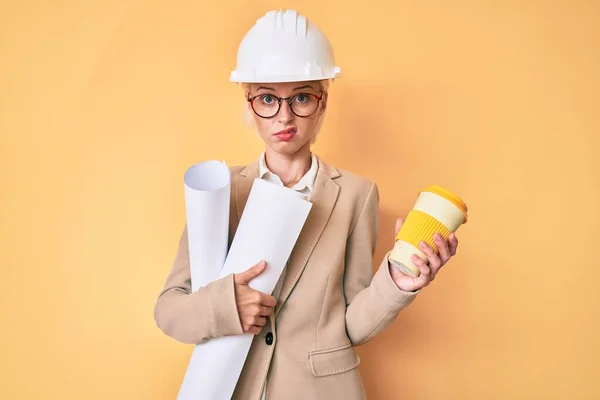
point(284, 46)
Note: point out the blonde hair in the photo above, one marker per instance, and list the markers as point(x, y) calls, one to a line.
point(248, 114)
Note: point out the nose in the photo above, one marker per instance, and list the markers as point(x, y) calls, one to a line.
point(285, 114)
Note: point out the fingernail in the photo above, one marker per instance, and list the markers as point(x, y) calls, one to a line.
point(422, 245)
point(438, 236)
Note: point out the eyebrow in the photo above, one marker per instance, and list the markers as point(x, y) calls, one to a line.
point(264, 87)
point(305, 87)
point(298, 88)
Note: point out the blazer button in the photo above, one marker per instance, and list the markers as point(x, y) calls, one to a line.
point(269, 339)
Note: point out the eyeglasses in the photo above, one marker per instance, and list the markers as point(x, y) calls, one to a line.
point(302, 105)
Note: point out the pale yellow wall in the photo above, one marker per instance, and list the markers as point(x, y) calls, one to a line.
point(104, 104)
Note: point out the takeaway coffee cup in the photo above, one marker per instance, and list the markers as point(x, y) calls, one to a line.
point(436, 210)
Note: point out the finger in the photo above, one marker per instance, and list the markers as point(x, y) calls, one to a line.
point(255, 330)
point(265, 311)
point(267, 300)
point(443, 248)
point(434, 260)
point(424, 269)
point(399, 223)
point(248, 321)
point(252, 272)
point(253, 320)
point(260, 311)
point(453, 244)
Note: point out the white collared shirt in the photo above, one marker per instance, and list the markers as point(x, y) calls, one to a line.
point(305, 186)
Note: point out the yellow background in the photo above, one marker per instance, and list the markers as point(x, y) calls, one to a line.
point(104, 104)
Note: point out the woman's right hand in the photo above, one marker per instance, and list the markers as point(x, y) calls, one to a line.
point(253, 306)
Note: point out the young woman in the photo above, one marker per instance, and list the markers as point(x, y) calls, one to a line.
point(328, 300)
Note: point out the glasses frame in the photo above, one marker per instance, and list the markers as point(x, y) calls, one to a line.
point(288, 100)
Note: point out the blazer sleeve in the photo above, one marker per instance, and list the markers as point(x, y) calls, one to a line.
point(373, 301)
point(194, 317)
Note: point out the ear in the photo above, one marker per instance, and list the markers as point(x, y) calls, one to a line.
point(246, 88)
point(248, 116)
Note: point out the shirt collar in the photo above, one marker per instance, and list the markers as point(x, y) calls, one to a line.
point(307, 181)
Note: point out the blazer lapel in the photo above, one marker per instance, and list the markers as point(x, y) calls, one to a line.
point(240, 190)
point(323, 199)
point(243, 187)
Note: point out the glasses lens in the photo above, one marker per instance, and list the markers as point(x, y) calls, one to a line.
point(304, 104)
point(265, 105)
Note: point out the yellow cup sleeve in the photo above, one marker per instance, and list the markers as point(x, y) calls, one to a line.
point(420, 226)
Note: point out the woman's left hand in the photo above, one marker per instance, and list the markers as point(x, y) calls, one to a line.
point(447, 249)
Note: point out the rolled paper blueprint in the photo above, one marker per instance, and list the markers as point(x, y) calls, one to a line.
point(436, 210)
point(268, 230)
point(207, 190)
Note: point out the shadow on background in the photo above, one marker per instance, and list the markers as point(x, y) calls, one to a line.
point(427, 323)
point(386, 147)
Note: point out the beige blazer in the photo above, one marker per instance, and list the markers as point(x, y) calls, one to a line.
point(330, 299)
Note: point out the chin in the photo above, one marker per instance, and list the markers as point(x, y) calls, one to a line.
point(287, 148)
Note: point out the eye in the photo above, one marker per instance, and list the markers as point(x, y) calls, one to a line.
point(267, 99)
point(302, 98)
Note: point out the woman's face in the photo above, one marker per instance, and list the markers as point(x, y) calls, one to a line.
point(287, 132)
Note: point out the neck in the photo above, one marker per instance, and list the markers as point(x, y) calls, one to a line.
point(290, 168)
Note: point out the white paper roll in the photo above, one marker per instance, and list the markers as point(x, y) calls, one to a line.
point(270, 225)
point(207, 192)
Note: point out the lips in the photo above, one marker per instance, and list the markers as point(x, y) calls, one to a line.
point(286, 134)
